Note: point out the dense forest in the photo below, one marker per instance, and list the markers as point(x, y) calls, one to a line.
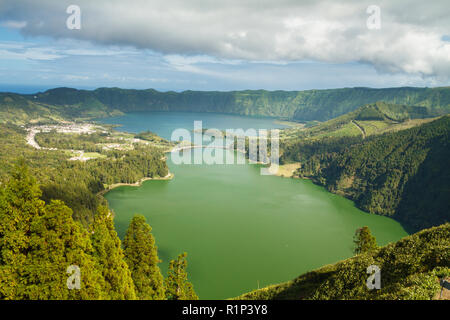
point(410, 269)
point(51, 210)
point(77, 183)
point(91, 142)
point(402, 174)
point(297, 105)
point(391, 159)
point(45, 254)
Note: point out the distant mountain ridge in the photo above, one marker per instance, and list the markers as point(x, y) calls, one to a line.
point(295, 105)
point(321, 105)
point(17, 109)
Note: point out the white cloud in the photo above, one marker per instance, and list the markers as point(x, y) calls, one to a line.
point(22, 51)
point(72, 77)
point(62, 49)
point(14, 24)
point(411, 39)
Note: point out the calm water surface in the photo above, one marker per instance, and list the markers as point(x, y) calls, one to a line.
point(240, 228)
point(163, 123)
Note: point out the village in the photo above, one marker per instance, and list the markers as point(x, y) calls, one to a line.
point(114, 140)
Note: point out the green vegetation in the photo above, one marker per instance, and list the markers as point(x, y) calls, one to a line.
point(72, 141)
point(367, 120)
point(40, 242)
point(410, 269)
point(401, 174)
point(141, 255)
point(305, 106)
point(94, 155)
point(109, 258)
point(150, 136)
point(24, 109)
point(389, 156)
point(364, 241)
point(177, 285)
point(77, 183)
point(19, 110)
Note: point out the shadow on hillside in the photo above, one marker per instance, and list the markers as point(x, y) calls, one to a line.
point(427, 191)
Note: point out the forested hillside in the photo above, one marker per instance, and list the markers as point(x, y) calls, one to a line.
point(297, 105)
point(402, 174)
point(390, 156)
point(20, 110)
point(41, 245)
point(409, 269)
point(76, 182)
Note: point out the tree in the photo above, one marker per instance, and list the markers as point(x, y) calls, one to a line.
point(109, 258)
point(364, 241)
point(141, 255)
point(19, 204)
point(177, 285)
point(57, 243)
point(38, 242)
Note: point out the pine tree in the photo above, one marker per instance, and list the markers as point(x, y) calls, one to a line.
point(177, 285)
point(141, 255)
point(38, 243)
point(18, 205)
point(110, 258)
point(57, 243)
point(364, 241)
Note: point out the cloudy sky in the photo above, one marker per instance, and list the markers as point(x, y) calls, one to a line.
point(224, 45)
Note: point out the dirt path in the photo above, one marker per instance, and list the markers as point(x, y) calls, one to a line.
point(363, 132)
point(30, 139)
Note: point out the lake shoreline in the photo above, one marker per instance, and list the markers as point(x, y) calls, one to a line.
point(287, 170)
point(138, 183)
point(197, 211)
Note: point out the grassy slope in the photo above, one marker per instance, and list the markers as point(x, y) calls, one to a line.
point(15, 109)
point(409, 270)
point(21, 110)
point(375, 118)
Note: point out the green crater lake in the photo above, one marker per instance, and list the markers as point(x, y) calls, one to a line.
point(241, 229)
